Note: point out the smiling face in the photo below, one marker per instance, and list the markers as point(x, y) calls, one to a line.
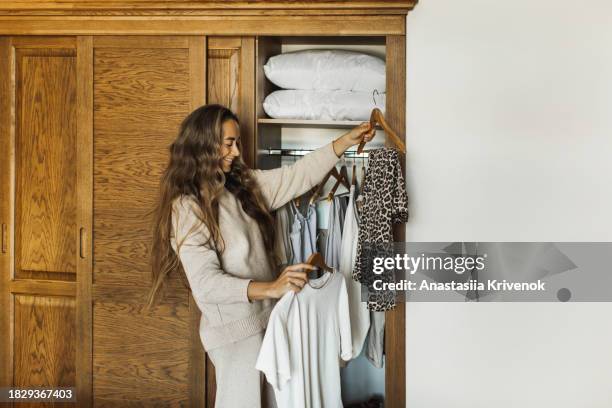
point(229, 145)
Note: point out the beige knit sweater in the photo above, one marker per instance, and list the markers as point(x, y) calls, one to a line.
point(219, 284)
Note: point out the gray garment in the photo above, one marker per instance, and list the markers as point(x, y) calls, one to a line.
point(239, 384)
point(284, 221)
point(334, 233)
point(303, 234)
point(311, 235)
point(375, 343)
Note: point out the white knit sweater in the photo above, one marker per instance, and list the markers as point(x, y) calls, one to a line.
point(219, 284)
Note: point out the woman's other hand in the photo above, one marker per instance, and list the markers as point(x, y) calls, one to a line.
point(293, 278)
point(362, 132)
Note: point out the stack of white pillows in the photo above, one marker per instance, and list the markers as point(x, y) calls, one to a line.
point(325, 85)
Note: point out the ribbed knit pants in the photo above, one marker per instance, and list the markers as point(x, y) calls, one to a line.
point(239, 384)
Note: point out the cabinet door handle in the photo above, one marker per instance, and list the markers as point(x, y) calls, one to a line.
point(3, 238)
point(82, 243)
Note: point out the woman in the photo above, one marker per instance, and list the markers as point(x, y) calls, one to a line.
point(214, 212)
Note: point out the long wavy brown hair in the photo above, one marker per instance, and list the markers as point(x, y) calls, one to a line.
point(194, 170)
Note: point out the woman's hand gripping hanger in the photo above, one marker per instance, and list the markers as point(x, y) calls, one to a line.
point(377, 117)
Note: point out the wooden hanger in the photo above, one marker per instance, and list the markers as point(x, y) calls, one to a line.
point(377, 117)
point(333, 172)
point(310, 192)
point(342, 180)
point(317, 260)
point(345, 178)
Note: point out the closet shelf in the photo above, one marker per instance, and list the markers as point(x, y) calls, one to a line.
point(312, 123)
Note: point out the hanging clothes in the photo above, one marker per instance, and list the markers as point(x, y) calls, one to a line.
point(283, 224)
point(307, 335)
point(343, 200)
point(385, 202)
point(375, 343)
point(359, 313)
point(333, 241)
point(303, 236)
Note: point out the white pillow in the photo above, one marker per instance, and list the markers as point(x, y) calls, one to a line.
point(327, 70)
point(322, 105)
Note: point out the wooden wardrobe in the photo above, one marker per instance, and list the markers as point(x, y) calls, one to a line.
point(91, 95)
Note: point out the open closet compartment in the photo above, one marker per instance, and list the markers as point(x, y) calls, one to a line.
point(282, 141)
point(305, 134)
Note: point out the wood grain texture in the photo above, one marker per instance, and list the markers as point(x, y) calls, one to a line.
point(191, 12)
point(42, 287)
point(68, 6)
point(395, 320)
point(140, 41)
point(84, 308)
point(141, 93)
point(231, 82)
point(356, 25)
point(6, 174)
point(40, 190)
point(45, 135)
point(46, 43)
point(139, 358)
point(44, 348)
point(246, 109)
point(49, 276)
point(197, 356)
point(223, 77)
point(216, 43)
point(211, 384)
point(130, 79)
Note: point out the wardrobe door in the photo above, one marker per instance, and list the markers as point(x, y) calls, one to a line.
point(143, 87)
point(231, 82)
point(45, 207)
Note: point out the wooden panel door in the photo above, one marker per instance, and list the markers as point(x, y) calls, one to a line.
point(45, 204)
point(231, 82)
point(143, 87)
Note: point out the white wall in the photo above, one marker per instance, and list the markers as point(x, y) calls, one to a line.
point(509, 134)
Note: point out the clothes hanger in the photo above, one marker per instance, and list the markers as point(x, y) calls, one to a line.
point(319, 189)
point(345, 178)
point(317, 260)
point(342, 180)
point(377, 117)
point(333, 172)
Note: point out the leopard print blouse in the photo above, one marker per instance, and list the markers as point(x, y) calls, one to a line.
point(385, 202)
